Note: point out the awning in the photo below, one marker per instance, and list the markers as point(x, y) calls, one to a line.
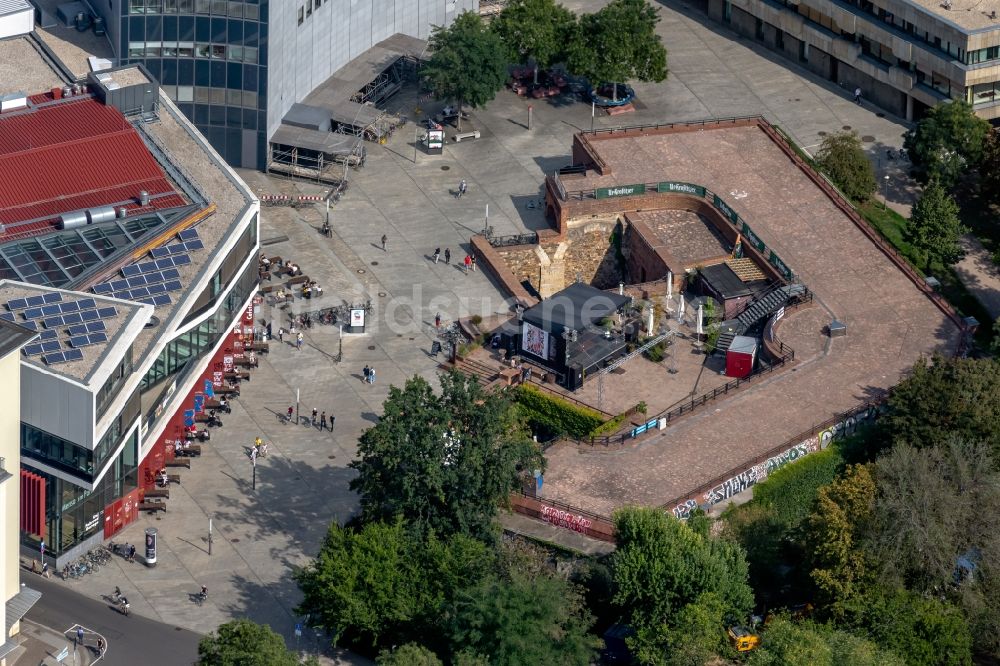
point(19, 605)
point(321, 142)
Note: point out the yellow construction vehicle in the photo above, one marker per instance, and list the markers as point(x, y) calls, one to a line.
point(743, 639)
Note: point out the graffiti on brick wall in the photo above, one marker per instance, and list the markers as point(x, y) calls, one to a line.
point(847, 426)
point(565, 519)
point(683, 510)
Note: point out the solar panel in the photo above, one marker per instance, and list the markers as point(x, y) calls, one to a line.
point(17, 304)
point(87, 303)
point(161, 299)
point(34, 301)
point(154, 289)
point(30, 324)
point(159, 252)
point(83, 329)
point(171, 274)
point(111, 311)
point(72, 306)
point(147, 267)
point(139, 292)
point(50, 346)
point(164, 263)
point(118, 285)
point(138, 280)
point(7, 316)
point(63, 356)
point(89, 315)
point(89, 339)
point(129, 271)
point(72, 318)
point(32, 313)
point(181, 260)
point(52, 297)
point(188, 234)
point(48, 335)
point(173, 285)
point(49, 310)
point(194, 245)
point(32, 350)
point(103, 288)
point(53, 322)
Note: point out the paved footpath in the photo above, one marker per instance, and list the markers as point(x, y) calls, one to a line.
point(262, 535)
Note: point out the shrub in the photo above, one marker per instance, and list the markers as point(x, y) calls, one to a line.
point(557, 415)
point(791, 490)
point(476, 320)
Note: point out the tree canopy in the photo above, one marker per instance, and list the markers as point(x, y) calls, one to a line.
point(245, 643)
point(619, 43)
point(443, 462)
point(786, 642)
point(934, 227)
point(843, 159)
point(947, 142)
point(661, 567)
point(468, 62)
point(943, 398)
point(535, 30)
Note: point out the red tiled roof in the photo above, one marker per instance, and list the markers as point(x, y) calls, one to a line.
point(72, 155)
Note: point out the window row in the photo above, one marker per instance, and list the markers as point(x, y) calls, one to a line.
point(219, 96)
point(218, 7)
point(984, 93)
point(982, 55)
point(306, 10)
point(247, 54)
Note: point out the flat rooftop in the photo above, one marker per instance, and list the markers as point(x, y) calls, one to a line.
point(688, 236)
point(968, 15)
point(23, 69)
point(891, 323)
point(166, 154)
point(74, 328)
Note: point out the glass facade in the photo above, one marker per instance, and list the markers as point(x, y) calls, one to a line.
point(72, 513)
point(210, 57)
point(68, 457)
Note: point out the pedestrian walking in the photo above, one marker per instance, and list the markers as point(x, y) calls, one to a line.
point(447, 256)
point(315, 412)
point(462, 188)
point(371, 375)
point(79, 635)
point(857, 96)
point(468, 263)
point(253, 456)
point(366, 371)
point(384, 239)
point(100, 646)
point(473, 263)
point(298, 341)
point(332, 419)
point(437, 254)
point(291, 410)
point(131, 553)
point(281, 335)
point(437, 320)
point(322, 422)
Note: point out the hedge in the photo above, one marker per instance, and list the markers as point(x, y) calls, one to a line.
point(557, 415)
point(791, 490)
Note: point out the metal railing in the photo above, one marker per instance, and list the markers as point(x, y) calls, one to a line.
point(685, 123)
point(556, 504)
point(512, 240)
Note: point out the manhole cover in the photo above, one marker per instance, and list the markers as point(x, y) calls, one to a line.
point(374, 263)
point(371, 347)
point(868, 138)
point(411, 338)
point(846, 128)
point(880, 115)
point(382, 294)
point(821, 133)
point(235, 539)
point(361, 270)
point(797, 99)
point(331, 457)
point(445, 168)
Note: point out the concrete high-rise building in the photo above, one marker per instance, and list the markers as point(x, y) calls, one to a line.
point(904, 55)
point(236, 68)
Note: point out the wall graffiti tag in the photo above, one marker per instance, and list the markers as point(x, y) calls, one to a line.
point(565, 519)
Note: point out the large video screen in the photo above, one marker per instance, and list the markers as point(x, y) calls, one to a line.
point(534, 340)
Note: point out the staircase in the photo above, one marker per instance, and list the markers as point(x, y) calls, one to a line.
point(760, 308)
point(483, 373)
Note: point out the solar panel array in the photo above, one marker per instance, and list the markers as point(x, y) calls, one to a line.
point(151, 281)
point(81, 319)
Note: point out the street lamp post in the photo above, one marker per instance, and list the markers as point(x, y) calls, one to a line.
point(885, 192)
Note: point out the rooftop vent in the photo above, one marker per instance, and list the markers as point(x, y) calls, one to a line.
point(946, 4)
point(13, 101)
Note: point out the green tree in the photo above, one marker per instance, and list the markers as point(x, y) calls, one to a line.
point(843, 159)
point(468, 62)
point(661, 566)
point(410, 654)
point(524, 620)
point(947, 142)
point(443, 462)
point(989, 167)
point(618, 44)
point(383, 582)
point(787, 643)
point(245, 643)
point(944, 398)
point(843, 509)
point(934, 227)
point(535, 31)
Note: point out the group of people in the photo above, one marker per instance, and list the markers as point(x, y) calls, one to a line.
point(259, 449)
point(368, 374)
point(469, 263)
point(311, 289)
point(321, 421)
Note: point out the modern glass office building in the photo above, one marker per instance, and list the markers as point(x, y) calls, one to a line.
point(236, 67)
